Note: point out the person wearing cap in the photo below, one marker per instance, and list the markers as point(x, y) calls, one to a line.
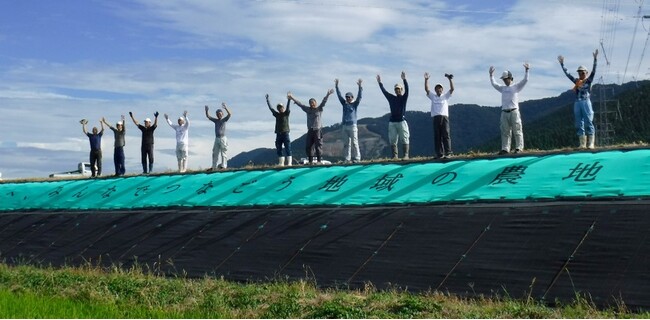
point(182, 139)
point(582, 109)
point(95, 139)
point(220, 146)
point(314, 143)
point(282, 131)
point(349, 122)
point(440, 116)
point(510, 116)
point(398, 129)
point(119, 131)
point(146, 149)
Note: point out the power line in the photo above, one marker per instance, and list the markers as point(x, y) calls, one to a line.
point(608, 29)
point(638, 68)
point(636, 26)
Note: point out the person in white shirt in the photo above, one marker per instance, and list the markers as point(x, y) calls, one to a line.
point(510, 116)
point(440, 116)
point(182, 139)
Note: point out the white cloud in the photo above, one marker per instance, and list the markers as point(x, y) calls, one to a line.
point(182, 55)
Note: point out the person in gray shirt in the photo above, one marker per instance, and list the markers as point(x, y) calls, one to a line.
point(314, 144)
point(220, 141)
point(120, 141)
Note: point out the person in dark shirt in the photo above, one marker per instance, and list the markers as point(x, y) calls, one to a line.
point(282, 131)
point(398, 128)
point(146, 149)
point(95, 139)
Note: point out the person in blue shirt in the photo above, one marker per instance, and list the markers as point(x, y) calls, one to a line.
point(582, 109)
point(95, 139)
point(349, 123)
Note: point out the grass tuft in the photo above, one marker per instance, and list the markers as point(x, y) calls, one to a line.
point(94, 292)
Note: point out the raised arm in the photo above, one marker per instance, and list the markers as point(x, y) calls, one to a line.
point(593, 69)
point(451, 82)
point(207, 113)
point(103, 121)
point(406, 84)
point(338, 92)
point(560, 59)
point(268, 103)
point(356, 102)
point(187, 120)
point(132, 118)
point(298, 103)
point(426, 83)
point(223, 104)
point(495, 85)
point(324, 101)
point(83, 126)
point(520, 85)
point(169, 122)
point(381, 87)
point(155, 119)
point(288, 102)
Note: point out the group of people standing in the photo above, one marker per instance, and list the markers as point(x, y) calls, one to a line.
point(219, 156)
point(398, 130)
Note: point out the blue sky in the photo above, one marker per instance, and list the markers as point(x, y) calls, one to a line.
point(70, 59)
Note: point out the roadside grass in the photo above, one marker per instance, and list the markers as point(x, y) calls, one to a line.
point(94, 292)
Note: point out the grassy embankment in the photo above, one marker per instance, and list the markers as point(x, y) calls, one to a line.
point(90, 292)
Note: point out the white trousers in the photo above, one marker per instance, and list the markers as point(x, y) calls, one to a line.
point(351, 142)
point(219, 151)
point(511, 126)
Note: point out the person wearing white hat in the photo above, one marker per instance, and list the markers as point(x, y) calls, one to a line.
point(220, 146)
point(398, 128)
point(349, 128)
point(146, 149)
point(182, 139)
point(582, 109)
point(440, 115)
point(119, 131)
point(282, 131)
point(510, 116)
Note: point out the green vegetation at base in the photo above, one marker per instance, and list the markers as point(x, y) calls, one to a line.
point(90, 292)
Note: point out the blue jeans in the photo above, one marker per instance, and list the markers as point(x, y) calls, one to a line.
point(282, 138)
point(118, 160)
point(584, 115)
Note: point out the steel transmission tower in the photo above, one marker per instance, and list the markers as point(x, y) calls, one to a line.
point(608, 111)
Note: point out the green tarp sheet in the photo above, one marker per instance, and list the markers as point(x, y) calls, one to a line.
point(585, 174)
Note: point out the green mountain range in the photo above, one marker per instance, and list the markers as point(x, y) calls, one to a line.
point(548, 124)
